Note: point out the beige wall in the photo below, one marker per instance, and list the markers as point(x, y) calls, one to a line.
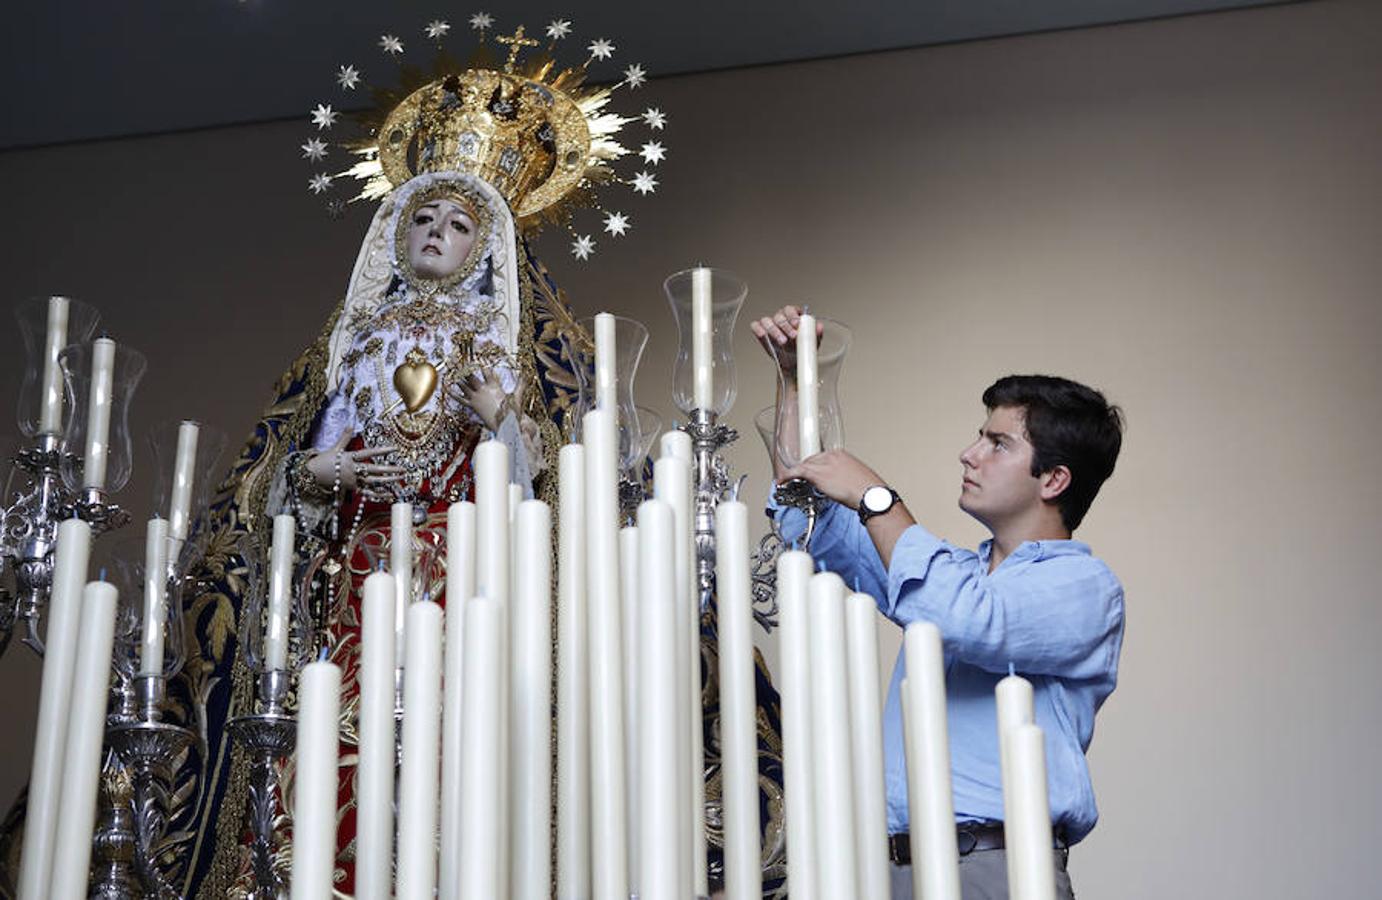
point(1185, 213)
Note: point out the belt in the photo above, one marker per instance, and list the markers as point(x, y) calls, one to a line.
point(969, 837)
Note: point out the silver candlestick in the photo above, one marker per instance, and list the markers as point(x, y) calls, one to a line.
point(268, 737)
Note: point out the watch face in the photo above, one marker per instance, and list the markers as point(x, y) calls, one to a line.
point(878, 499)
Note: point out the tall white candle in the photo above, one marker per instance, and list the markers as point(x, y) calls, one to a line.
point(50, 401)
point(85, 733)
point(793, 576)
point(606, 354)
point(702, 359)
point(830, 724)
point(661, 876)
point(460, 586)
point(531, 877)
point(609, 857)
point(493, 571)
point(314, 788)
point(1027, 816)
point(280, 593)
point(672, 485)
point(374, 819)
point(480, 785)
point(573, 684)
point(935, 851)
point(1013, 699)
point(866, 731)
point(418, 775)
point(70, 560)
point(738, 712)
point(631, 593)
point(184, 475)
point(676, 443)
point(808, 393)
point(401, 565)
point(98, 414)
point(155, 596)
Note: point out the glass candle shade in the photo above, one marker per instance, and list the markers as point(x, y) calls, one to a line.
point(630, 339)
point(832, 345)
point(649, 427)
point(253, 552)
point(129, 366)
point(726, 297)
point(429, 559)
point(43, 384)
point(128, 571)
point(180, 493)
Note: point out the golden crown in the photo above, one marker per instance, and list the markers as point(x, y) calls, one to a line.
point(535, 131)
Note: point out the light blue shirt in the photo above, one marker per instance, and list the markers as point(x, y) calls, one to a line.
point(1051, 610)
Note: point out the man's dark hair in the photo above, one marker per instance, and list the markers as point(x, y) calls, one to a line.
point(1069, 425)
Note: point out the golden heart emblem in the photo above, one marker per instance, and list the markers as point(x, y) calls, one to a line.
point(415, 381)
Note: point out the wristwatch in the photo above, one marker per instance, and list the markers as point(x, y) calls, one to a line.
point(877, 500)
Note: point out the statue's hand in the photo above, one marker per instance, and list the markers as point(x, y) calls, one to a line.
point(356, 470)
point(484, 393)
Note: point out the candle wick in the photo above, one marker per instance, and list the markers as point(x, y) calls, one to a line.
point(1011, 670)
point(101, 576)
point(820, 565)
point(321, 657)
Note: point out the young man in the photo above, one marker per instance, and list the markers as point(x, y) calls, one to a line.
point(1030, 598)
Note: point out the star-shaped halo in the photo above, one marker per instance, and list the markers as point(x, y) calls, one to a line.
point(348, 77)
point(653, 152)
point(558, 29)
point(616, 223)
point(437, 28)
point(324, 116)
point(644, 183)
point(319, 183)
point(315, 150)
point(390, 44)
point(601, 48)
point(654, 118)
point(634, 76)
point(582, 247)
point(481, 20)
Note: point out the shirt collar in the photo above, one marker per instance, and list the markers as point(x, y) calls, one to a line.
point(1034, 551)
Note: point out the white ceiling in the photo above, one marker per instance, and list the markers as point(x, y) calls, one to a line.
point(91, 69)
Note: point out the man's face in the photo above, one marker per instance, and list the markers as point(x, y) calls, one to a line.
point(439, 238)
point(998, 484)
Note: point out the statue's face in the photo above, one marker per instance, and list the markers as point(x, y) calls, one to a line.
point(439, 238)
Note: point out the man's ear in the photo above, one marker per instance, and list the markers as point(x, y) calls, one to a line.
point(1054, 482)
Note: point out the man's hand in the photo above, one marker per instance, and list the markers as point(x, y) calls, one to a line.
point(777, 334)
point(838, 474)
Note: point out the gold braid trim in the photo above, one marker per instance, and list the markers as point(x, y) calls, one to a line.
point(251, 496)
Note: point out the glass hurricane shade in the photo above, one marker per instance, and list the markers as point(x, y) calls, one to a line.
point(727, 293)
point(252, 551)
point(33, 317)
point(129, 366)
point(127, 569)
point(630, 339)
point(832, 345)
point(163, 442)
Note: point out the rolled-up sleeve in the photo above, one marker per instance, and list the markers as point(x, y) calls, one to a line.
point(1057, 615)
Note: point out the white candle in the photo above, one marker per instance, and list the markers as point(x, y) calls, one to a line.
point(531, 877)
point(70, 560)
point(573, 686)
point(609, 858)
point(738, 712)
point(280, 593)
point(830, 724)
point(155, 596)
point(631, 593)
point(1027, 816)
point(672, 484)
point(702, 360)
point(85, 733)
point(676, 443)
point(662, 875)
point(493, 570)
point(315, 782)
point(460, 586)
point(793, 575)
point(606, 354)
point(374, 820)
point(481, 788)
point(935, 851)
point(418, 775)
point(184, 476)
point(50, 408)
point(401, 564)
point(1013, 699)
point(866, 730)
point(98, 414)
point(808, 395)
